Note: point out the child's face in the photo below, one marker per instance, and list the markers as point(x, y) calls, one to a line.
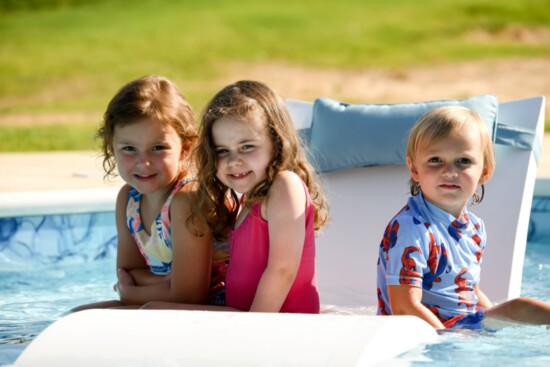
point(244, 151)
point(450, 170)
point(148, 155)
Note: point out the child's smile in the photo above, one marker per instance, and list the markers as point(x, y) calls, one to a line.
point(238, 176)
point(449, 186)
point(145, 177)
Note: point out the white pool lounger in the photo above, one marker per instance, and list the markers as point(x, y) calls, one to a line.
point(362, 201)
point(201, 338)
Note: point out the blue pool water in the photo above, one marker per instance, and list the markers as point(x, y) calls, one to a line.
point(511, 346)
point(50, 264)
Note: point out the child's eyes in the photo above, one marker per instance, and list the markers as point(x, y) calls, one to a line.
point(128, 148)
point(158, 148)
point(464, 161)
point(460, 161)
point(132, 149)
point(243, 148)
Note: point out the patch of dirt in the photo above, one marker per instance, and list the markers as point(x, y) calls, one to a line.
point(50, 118)
point(509, 79)
point(514, 33)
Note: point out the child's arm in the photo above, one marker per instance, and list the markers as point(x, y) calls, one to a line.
point(285, 213)
point(145, 277)
point(191, 263)
point(406, 300)
point(482, 300)
point(192, 255)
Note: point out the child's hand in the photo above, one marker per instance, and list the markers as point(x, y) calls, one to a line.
point(124, 277)
point(124, 280)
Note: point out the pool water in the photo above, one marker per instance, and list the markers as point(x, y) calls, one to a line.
point(49, 287)
point(34, 298)
point(511, 346)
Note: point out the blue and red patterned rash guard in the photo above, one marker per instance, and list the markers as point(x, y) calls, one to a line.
point(426, 247)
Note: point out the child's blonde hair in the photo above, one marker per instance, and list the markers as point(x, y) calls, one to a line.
point(216, 203)
point(150, 97)
point(438, 124)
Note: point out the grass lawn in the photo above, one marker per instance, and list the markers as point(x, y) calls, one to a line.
point(69, 57)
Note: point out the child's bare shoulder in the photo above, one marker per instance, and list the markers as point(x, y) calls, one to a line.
point(287, 178)
point(286, 186)
point(184, 198)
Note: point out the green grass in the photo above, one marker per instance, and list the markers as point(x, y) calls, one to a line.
point(48, 138)
point(70, 56)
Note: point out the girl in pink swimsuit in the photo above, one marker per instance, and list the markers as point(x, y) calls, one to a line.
point(258, 189)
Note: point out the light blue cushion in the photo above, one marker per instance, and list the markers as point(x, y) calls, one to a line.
point(346, 135)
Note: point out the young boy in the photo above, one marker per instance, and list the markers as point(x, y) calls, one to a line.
point(430, 255)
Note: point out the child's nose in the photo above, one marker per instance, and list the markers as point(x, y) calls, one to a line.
point(450, 170)
point(143, 159)
point(234, 159)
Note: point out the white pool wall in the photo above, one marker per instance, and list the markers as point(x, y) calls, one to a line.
point(34, 203)
point(542, 186)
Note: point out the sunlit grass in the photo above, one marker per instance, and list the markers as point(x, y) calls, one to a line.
point(47, 138)
point(61, 56)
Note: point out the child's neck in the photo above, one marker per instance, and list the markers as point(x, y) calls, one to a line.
point(456, 215)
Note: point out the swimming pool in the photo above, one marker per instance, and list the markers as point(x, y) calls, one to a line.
point(51, 263)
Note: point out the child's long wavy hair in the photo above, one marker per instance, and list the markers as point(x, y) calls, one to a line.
point(150, 97)
point(439, 123)
point(216, 203)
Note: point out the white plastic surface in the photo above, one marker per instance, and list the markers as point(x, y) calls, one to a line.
point(157, 338)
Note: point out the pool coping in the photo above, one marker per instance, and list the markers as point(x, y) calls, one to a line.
point(31, 203)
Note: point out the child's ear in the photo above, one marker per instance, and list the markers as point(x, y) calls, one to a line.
point(184, 153)
point(412, 169)
point(484, 176)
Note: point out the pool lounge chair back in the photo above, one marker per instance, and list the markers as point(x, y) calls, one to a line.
point(364, 199)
